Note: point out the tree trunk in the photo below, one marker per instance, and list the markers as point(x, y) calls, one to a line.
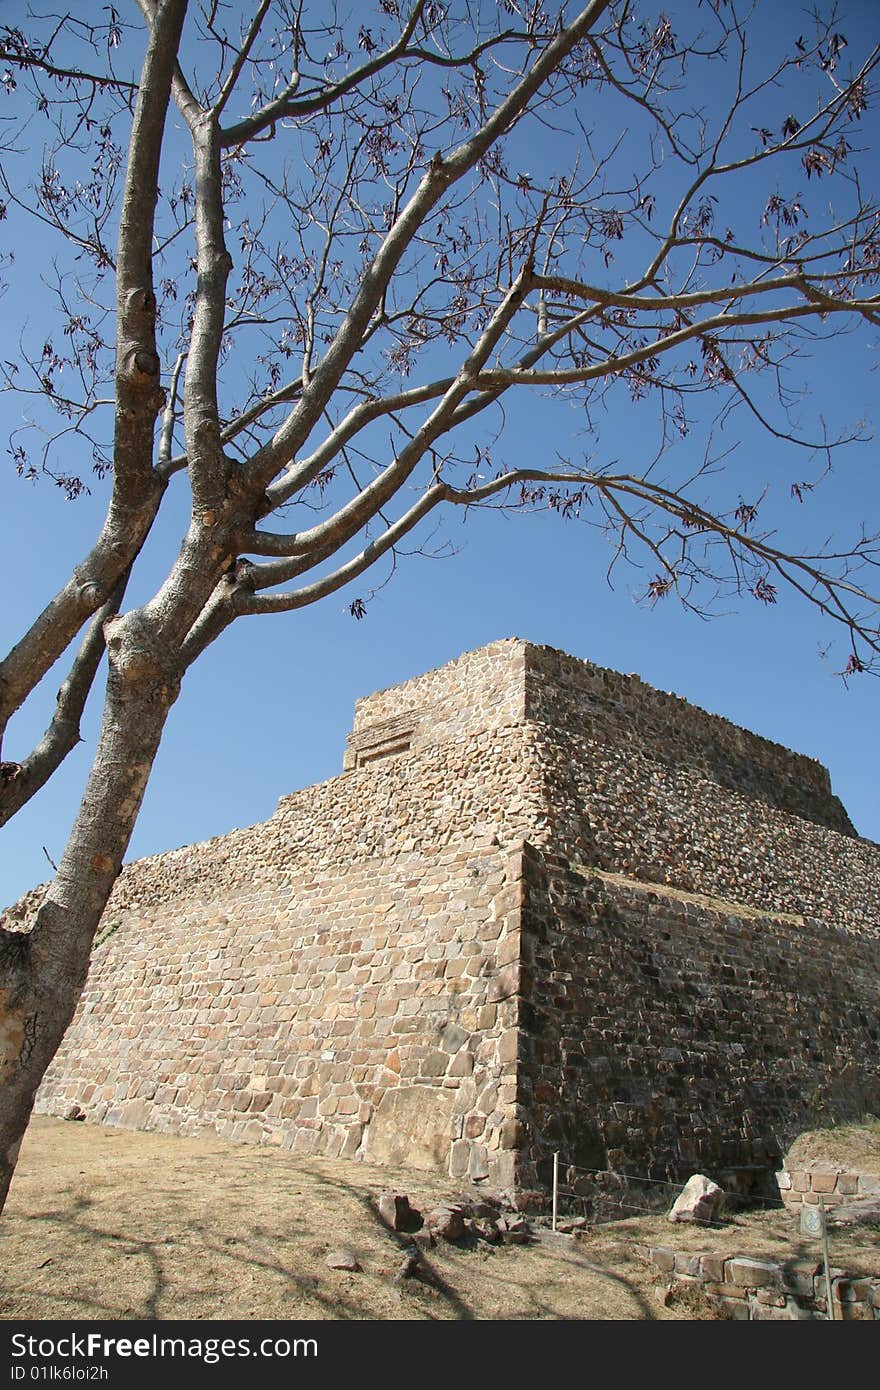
point(42, 971)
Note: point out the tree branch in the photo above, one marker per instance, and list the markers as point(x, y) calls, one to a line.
point(346, 523)
point(284, 106)
point(437, 180)
point(137, 490)
point(63, 733)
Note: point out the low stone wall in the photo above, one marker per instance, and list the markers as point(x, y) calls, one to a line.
point(835, 1184)
point(762, 1290)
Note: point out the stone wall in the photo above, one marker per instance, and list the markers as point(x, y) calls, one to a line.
point(836, 1184)
point(691, 801)
point(296, 1018)
point(754, 1290)
point(607, 707)
point(544, 907)
point(663, 1033)
point(340, 979)
point(484, 689)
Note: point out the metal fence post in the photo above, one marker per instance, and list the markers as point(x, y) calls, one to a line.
point(828, 1297)
point(555, 1188)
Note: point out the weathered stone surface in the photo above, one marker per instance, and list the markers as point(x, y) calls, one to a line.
point(663, 1258)
point(737, 1312)
point(575, 1225)
point(343, 1258)
point(485, 1229)
point(412, 1125)
point(858, 1211)
point(753, 1274)
point(799, 1277)
point(452, 1037)
point(515, 1230)
point(461, 1065)
point(770, 1297)
point(505, 983)
point(513, 1134)
point(824, 1180)
point(478, 1164)
point(763, 1290)
point(447, 1221)
point(838, 1189)
point(699, 1201)
point(395, 1210)
point(788, 1311)
point(459, 1158)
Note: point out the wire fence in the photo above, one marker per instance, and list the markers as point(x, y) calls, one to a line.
point(606, 1192)
point(594, 1191)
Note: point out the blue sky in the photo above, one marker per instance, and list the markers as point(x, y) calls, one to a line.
point(266, 709)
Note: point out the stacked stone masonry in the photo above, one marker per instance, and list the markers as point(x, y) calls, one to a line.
point(835, 1185)
point(544, 907)
point(761, 1290)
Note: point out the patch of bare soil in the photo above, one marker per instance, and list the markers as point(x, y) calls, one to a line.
point(104, 1223)
point(851, 1146)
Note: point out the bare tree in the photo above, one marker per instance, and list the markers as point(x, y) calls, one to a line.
point(370, 232)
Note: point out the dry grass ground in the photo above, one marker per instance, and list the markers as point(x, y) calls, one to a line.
point(105, 1223)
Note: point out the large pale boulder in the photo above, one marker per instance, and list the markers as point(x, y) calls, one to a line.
point(699, 1201)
